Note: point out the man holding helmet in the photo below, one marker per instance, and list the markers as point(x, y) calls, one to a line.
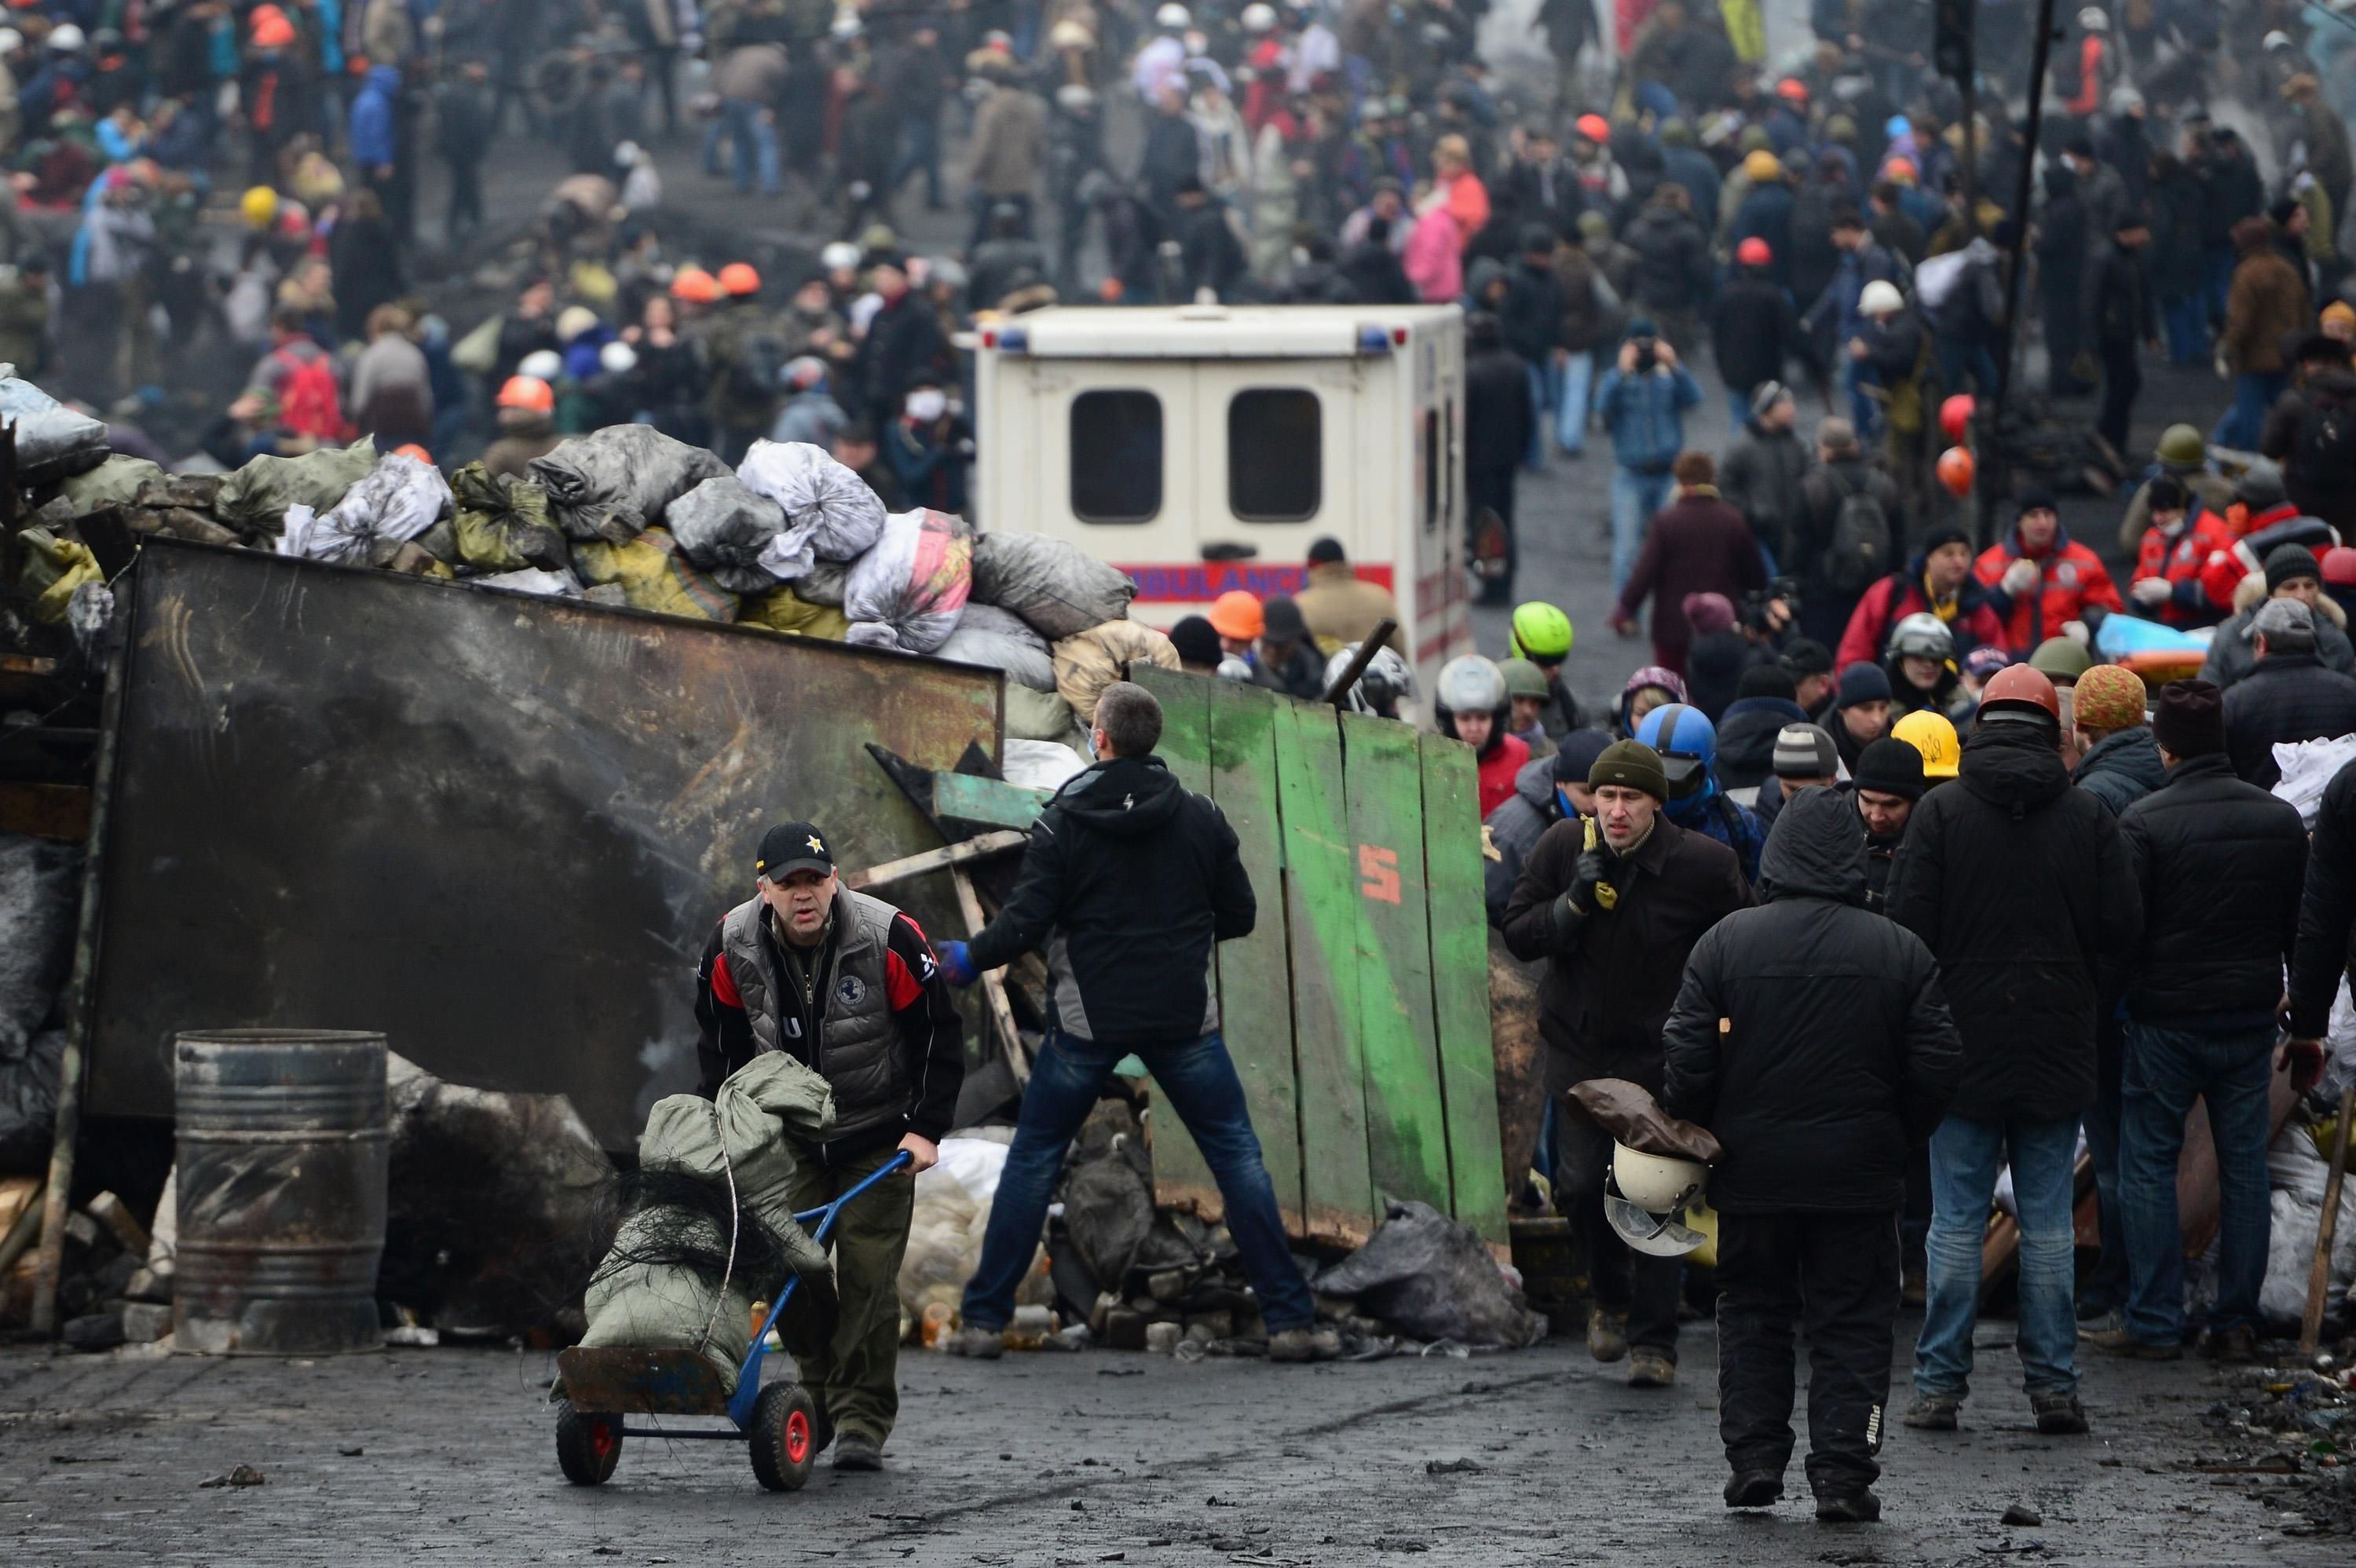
point(1812, 1037)
point(1613, 905)
point(2020, 886)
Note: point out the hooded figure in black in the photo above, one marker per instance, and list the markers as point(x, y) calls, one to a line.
point(1812, 1037)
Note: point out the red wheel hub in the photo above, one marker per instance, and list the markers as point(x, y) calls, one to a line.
point(605, 1436)
point(798, 1437)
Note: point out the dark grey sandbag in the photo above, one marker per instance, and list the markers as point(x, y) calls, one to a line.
point(1058, 588)
point(37, 898)
point(616, 483)
point(999, 639)
point(824, 583)
point(28, 1102)
point(1431, 1278)
point(723, 527)
point(254, 499)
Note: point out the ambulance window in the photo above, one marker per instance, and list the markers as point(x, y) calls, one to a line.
point(1432, 459)
point(1116, 457)
point(1275, 446)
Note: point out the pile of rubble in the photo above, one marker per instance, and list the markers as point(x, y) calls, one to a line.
point(2292, 1430)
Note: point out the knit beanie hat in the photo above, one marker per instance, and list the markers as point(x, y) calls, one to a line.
point(1576, 756)
point(1862, 682)
point(1196, 640)
point(1707, 612)
point(1767, 680)
point(2108, 696)
point(1805, 751)
point(1634, 764)
point(2289, 562)
point(2191, 718)
point(1889, 766)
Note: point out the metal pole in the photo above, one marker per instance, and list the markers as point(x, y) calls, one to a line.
point(1990, 454)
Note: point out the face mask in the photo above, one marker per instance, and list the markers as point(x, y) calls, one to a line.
point(928, 405)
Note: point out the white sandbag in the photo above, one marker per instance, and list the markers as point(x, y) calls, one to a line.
point(831, 513)
point(726, 528)
point(1053, 585)
point(52, 441)
point(2308, 765)
point(2290, 1256)
point(398, 500)
point(998, 639)
point(2339, 1046)
point(908, 591)
point(533, 580)
point(1040, 765)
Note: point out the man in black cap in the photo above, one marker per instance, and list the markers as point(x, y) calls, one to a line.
point(849, 986)
point(1287, 659)
point(1615, 904)
point(1887, 782)
point(2288, 696)
point(1811, 664)
point(1860, 710)
point(1548, 790)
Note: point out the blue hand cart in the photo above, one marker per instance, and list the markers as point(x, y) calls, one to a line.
point(599, 1387)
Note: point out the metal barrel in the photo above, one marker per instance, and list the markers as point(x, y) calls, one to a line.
point(284, 1143)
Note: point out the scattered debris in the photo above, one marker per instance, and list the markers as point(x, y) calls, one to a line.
point(350, 1452)
point(2022, 1514)
point(1453, 1467)
point(243, 1475)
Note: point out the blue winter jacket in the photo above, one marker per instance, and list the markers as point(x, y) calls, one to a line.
point(372, 141)
point(1645, 414)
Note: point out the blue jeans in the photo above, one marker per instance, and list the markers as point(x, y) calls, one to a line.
point(1199, 1082)
point(2166, 1069)
point(1570, 408)
point(2253, 394)
point(2188, 330)
point(1965, 1155)
point(920, 151)
point(1635, 498)
point(755, 144)
point(1544, 394)
point(1738, 411)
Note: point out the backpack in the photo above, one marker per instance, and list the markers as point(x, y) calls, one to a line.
point(1858, 552)
point(2323, 457)
point(308, 403)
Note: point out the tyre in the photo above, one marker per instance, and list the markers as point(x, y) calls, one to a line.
point(588, 1446)
point(784, 1437)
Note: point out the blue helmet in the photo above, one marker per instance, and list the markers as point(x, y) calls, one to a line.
point(1687, 742)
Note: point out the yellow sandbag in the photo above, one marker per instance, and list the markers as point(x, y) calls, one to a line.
point(654, 576)
point(54, 567)
point(783, 610)
point(1088, 662)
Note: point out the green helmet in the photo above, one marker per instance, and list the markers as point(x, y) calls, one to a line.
point(1541, 631)
point(1524, 678)
point(2181, 446)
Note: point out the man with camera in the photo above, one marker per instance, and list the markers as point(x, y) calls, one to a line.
point(1643, 400)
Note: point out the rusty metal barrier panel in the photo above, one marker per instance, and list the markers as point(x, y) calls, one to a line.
point(496, 827)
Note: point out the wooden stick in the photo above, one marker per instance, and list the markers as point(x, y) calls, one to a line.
point(1368, 646)
point(2318, 1277)
point(957, 854)
point(993, 982)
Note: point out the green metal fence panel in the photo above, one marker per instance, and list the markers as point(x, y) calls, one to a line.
point(1182, 1177)
point(1459, 985)
point(1255, 972)
point(1406, 1131)
point(1320, 898)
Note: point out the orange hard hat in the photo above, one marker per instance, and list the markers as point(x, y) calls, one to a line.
point(1955, 415)
point(694, 285)
point(2339, 567)
point(739, 277)
point(1956, 470)
point(527, 392)
point(1594, 127)
point(272, 30)
point(1791, 90)
point(1755, 252)
point(2020, 686)
point(1900, 170)
point(1235, 614)
point(410, 449)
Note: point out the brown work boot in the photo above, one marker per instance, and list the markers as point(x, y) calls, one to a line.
point(1315, 1343)
point(1650, 1369)
point(1933, 1412)
point(2119, 1342)
point(2237, 1346)
point(1607, 1334)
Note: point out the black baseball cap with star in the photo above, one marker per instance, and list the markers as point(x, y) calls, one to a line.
point(791, 847)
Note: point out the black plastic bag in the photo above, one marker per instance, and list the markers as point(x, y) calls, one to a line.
point(1431, 1278)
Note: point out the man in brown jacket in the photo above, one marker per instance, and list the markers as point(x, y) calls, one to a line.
point(1341, 606)
point(2266, 303)
point(1696, 544)
point(1613, 905)
point(1009, 142)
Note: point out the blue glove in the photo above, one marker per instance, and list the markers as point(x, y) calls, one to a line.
point(956, 967)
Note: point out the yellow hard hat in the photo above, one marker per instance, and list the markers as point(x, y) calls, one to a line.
point(1763, 167)
point(259, 206)
point(1930, 733)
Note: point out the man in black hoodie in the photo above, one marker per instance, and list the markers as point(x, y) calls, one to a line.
point(1812, 1037)
point(2020, 886)
point(1129, 879)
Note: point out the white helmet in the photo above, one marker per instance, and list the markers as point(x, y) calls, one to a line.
point(618, 358)
point(11, 40)
point(1647, 1199)
point(1921, 635)
point(1880, 298)
point(1379, 689)
point(542, 365)
point(1259, 18)
point(1470, 683)
point(2094, 19)
point(1173, 18)
point(837, 255)
point(66, 40)
point(2276, 40)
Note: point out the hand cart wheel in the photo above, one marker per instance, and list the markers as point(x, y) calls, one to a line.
point(588, 1446)
point(784, 1437)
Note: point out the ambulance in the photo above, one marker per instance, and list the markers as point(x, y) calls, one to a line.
point(1204, 448)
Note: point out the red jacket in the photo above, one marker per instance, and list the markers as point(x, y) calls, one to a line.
point(1894, 598)
point(2071, 577)
point(2198, 565)
point(1499, 763)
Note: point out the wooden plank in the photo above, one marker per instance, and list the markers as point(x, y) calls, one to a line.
point(45, 810)
point(969, 797)
point(956, 854)
point(1182, 1177)
point(1407, 1130)
point(619, 1379)
point(993, 982)
point(1320, 919)
point(1255, 972)
point(1460, 986)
